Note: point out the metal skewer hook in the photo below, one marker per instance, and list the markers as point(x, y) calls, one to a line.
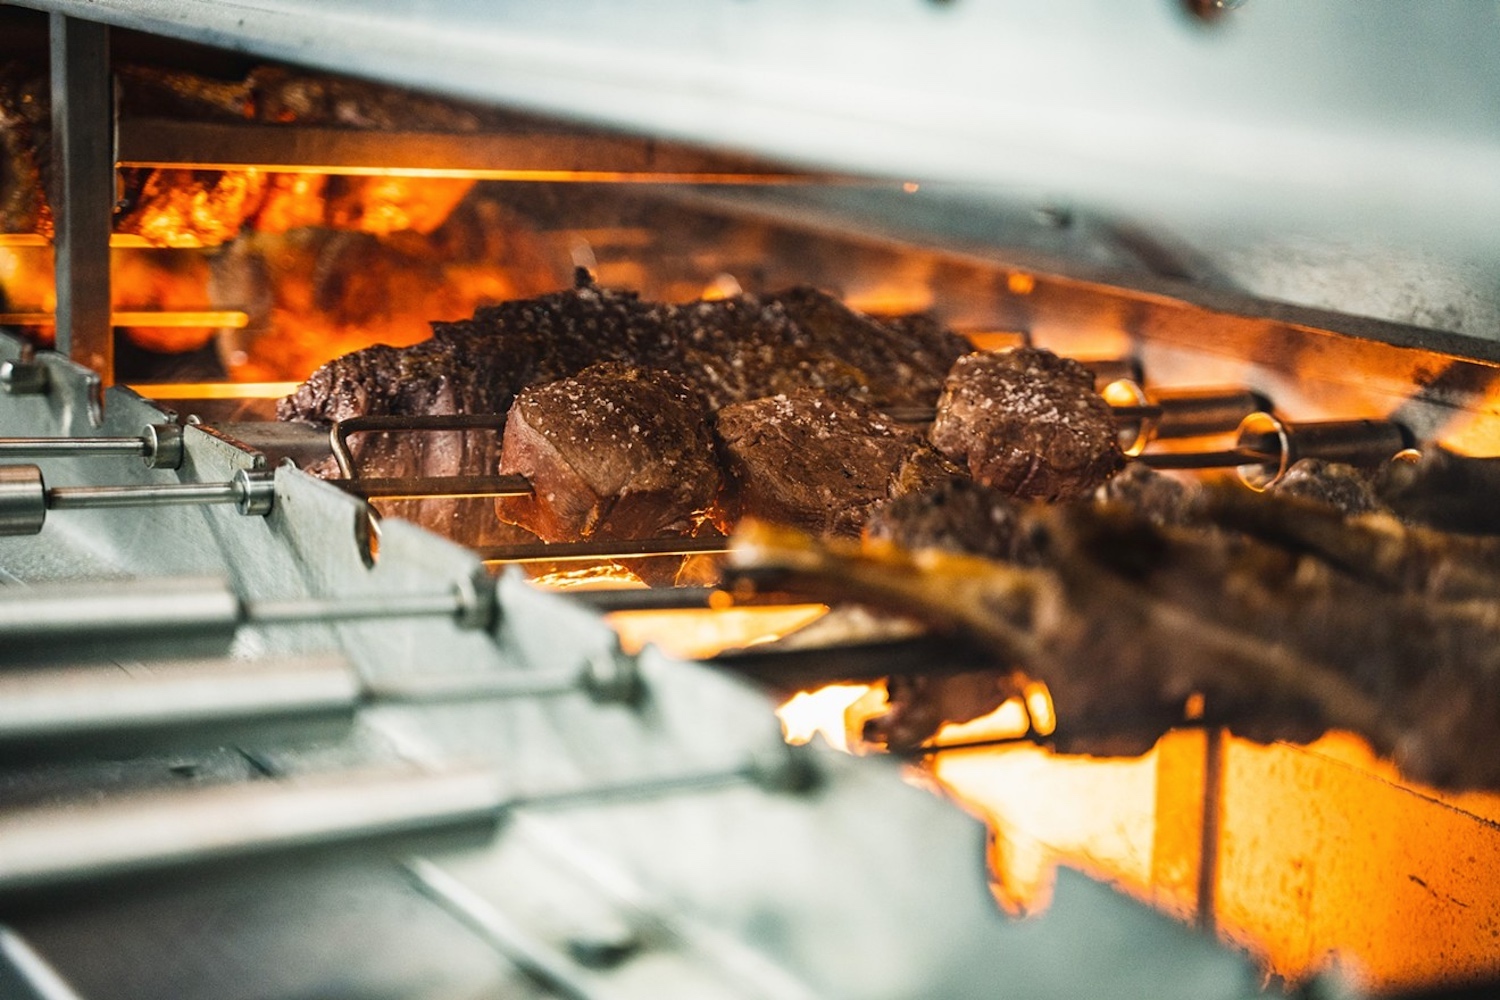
point(25, 497)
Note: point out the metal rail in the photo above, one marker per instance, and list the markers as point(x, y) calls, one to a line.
point(531, 155)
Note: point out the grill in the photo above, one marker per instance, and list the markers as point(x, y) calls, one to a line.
point(260, 740)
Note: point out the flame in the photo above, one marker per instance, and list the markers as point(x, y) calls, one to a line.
point(703, 634)
point(1044, 810)
point(996, 340)
point(1039, 707)
point(837, 712)
point(1292, 853)
point(1010, 721)
point(590, 576)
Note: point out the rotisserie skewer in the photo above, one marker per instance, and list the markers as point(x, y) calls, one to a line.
point(1124, 622)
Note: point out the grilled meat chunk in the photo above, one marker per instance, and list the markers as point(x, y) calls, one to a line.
point(958, 516)
point(749, 347)
point(1340, 486)
point(731, 350)
point(728, 352)
point(1029, 423)
point(1159, 498)
point(612, 452)
point(810, 460)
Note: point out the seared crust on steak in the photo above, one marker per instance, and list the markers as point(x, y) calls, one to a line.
point(809, 460)
point(612, 452)
point(1340, 486)
point(958, 516)
point(1029, 423)
point(1159, 498)
point(729, 350)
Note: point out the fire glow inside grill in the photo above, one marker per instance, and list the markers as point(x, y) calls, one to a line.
point(1313, 859)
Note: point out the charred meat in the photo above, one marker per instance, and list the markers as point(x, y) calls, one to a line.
point(612, 452)
point(1029, 423)
point(811, 460)
point(1340, 486)
point(958, 516)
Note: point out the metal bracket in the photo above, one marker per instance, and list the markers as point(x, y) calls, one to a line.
point(83, 160)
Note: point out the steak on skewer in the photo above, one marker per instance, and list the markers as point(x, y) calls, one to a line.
point(729, 351)
point(817, 462)
point(612, 452)
point(1028, 423)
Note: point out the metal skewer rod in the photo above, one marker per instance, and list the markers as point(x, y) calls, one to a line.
point(47, 615)
point(1230, 459)
point(25, 497)
point(60, 711)
point(165, 494)
point(574, 551)
point(45, 847)
point(80, 447)
point(432, 487)
point(159, 446)
point(175, 318)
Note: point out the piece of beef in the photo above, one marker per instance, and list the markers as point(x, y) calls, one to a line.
point(742, 348)
point(1340, 486)
point(728, 351)
point(810, 460)
point(959, 516)
point(902, 362)
point(1029, 423)
point(922, 470)
point(612, 452)
point(1159, 498)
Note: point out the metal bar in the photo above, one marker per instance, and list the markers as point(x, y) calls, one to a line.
point(116, 240)
point(926, 655)
point(25, 975)
point(653, 599)
point(1211, 831)
point(64, 844)
point(101, 709)
point(84, 447)
point(572, 551)
point(321, 609)
point(1206, 459)
point(231, 318)
point(83, 165)
point(428, 487)
point(539, 960)
point(515, 156)
point(80, 497)
point(158, 445)
point(57, 612)
point(424, 689)
point(341, 430)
